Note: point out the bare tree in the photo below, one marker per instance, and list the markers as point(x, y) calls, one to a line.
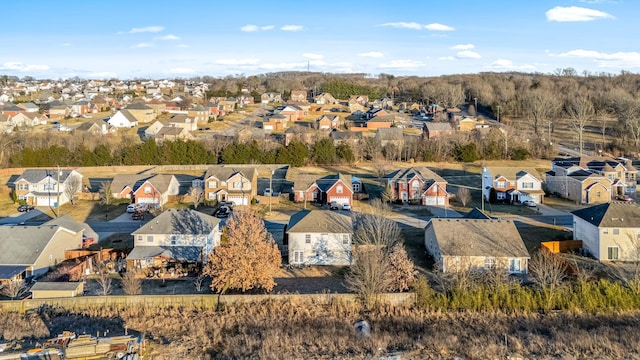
point(13, 289)
point(197, 194)
point(103, 278)
point(131, 284)
point(463, 195)
point(628, 112)
point(540, 105)
point(387, 194)
point(367, 275)
point(73, 185)
point(580, 111)
point(548, 272)
point(199, 283)
point(374, 228)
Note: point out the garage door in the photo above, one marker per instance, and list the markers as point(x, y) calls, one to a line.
point(145, 200)
point(340, 200)
point(237, 200)
point(435, 200)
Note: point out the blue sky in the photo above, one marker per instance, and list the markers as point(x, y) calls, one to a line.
point(161, 39)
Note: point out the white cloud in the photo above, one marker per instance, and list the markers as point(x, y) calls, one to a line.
point(283, 66)
point(103, 75)
point(168, 37)
point(439, 27)
point(148, 29)
point(142, 45)
point(237, 61)
point(575, 13)
point(463, 47)
point(505, 64)
point(599, 1)
point(18, 66)
point(317, 62)
point(372, 54)
point(180, 71)
point(447, 58)
point(401, 64)
point(253, 28)
point(468, 54)
point(608, 60)
point(313, 56)
point(404, 25)
point(291, 28)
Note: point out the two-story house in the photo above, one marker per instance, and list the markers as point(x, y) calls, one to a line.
point(228, 183)
point(177, 236)
point(512, 184)
point(145, 189)
point(329, 189)
point(418, 184)
point(609, 231)
point(141, 112)
point(622, 175)
point(292, 112)
point(319, 237)
point(47, 187)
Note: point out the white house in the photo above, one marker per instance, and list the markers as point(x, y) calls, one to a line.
point(176, 235)
point(609, 231)
point(512, 184)
point(47, 187)
point(123, 119)
point(319, 237)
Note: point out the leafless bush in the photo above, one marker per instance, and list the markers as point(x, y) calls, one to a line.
point(131, 284)
point(13, 289)
point(367, 276)
point(463, 195)
point(548, 272)
point(103, 278)
point(199, 283)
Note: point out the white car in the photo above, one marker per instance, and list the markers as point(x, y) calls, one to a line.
point(529, 203)
point(346, 207)
point(131, 208)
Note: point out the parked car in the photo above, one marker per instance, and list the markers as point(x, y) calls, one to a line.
point(346, 207)
point(223, 212)
point(624, 198)
point(131, 208)
point(334, 205)
point(267, 192)
point(529, 203)
point(138, 215)
point(25, 208)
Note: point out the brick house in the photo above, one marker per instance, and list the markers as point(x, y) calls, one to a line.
point(325, 190)
point(418, 184)
point(228, 183)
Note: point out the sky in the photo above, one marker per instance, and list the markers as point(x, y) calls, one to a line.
point(171, 39)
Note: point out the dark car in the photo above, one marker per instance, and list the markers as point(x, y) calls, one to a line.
point(25, 208)
point(138, 215)
point(223, 212)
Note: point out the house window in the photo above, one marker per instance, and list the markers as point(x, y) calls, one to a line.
point(147, 189)
point(213, 184)
point(345, 239)
point(489, 263)
point(149, 238)
point(356, 187)
point(613, 253)
point(23, 186)
point(415, 185)
point(605, 231)
point(174, 239)
point(212, 196)
point(237, 185)
point(48, 187)
point(307, 239)
point(339, 189)
point(501, 196)
point(514, 265)
point(501, 184)
point(597, 193)
point(616, 231)
point(140, 237)
point(298, 257)
point(527, 185)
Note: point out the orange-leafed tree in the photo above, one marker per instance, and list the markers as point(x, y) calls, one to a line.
point(248, 259)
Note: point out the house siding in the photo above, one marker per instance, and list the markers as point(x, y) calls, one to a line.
point(323, 249)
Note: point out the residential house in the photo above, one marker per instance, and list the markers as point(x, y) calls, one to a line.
point(373, 112)
point(432, 130)
point(275, 122)
point(80, 107)
point(609, 231)
point(235, 184)
point(28, 119)
point(621, 173)
point(388, 136)
point(245, 99)
point(145, 189)
point(30, 251)
point(199, 114)
point(173, 133)
point(47, 187)
point(298, 95)
point(292, 112)
point(351, 138)
point(303, 134)
point(466, 124)
point(182, 121)
point(123, 119)
point(29, 107)
point(324, 99)
point(476, 244)
point(151, 130)
point(329, 122)
point(158, 107)
point(95, 127)
point(141, 112)
point(512, 184)
point(270, 97)
point(59, 111)
point(418, 184)
point(380, 122)
point(11, 110)
point(329, 189)
point(362, 100)
point(573, 182)
point(178, 238)
point(319, 237)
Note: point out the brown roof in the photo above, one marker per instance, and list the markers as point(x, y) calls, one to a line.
point(315, 221)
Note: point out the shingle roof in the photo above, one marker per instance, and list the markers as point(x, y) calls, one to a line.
point(442, 126)
point(420, 171)
point(224, 172)
point(613, 214)
point(120, 181)
point(183, 221)
point(317, 221)
point(55, 286)
point(476, 213)
point(22, 245)
point(181, 253)
point(68, 223)
point(137, 106)
point(326, 182)
point(160, 181)
point(473, 237)
point(36, 175)
point(513, 173)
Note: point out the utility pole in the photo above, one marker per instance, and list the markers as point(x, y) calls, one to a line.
point(498, 112)
point(58, 193)
point(270, 190)
point(475, 99)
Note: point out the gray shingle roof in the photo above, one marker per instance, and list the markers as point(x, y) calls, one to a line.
point(36, 175)
point(513, 173)
point(421, 172)
point(614, 214)
point(22, 245)
point(68, 223)
point(318, 221)
point(473, 237)
point(183, 221)
point(137, 106)
point(55, 286)
point(120, 181)
point(224, 172)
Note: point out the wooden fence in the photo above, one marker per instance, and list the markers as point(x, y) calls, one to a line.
point(191, 301)
point(563, 246)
